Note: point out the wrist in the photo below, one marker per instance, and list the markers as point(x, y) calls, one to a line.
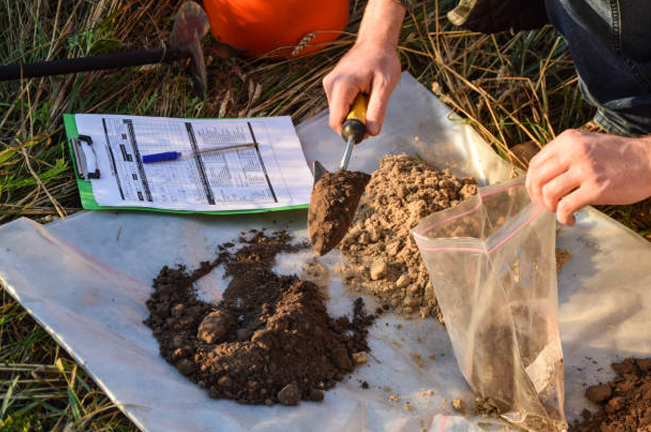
point(647, 142)
point(646, 158)
point(381, 24)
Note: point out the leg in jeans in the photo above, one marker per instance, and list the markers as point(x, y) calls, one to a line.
point(610, 42)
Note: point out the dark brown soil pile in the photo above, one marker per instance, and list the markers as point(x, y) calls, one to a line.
point(382, 257)
point(333, 203)
point(270, 339)
point(624, 403)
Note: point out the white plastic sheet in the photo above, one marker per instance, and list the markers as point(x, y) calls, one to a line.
point(86, 278)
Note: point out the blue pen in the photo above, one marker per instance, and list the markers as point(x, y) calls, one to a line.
point(174, 155)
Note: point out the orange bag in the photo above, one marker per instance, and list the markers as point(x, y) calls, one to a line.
point(261, 26)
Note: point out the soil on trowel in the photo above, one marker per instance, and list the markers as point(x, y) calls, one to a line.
point(381, 254)
point(270, 339)
point(624, 403)
point(333, 203)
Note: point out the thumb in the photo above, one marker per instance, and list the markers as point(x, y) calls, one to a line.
point(377, 104)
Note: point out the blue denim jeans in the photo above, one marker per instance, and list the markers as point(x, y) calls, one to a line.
point(610, 42)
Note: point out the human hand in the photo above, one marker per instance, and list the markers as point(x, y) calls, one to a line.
point(371, 66)
point(367, 68)
point(580, 168)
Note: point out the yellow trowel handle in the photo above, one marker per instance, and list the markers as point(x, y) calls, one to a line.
point(355, 124)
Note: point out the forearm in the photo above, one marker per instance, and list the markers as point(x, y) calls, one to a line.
point(381, 23)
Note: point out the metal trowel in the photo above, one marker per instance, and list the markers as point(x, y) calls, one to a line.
point(335, 196)
point(353, 133)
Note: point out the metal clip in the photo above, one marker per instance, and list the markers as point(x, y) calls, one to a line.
point(85, 157)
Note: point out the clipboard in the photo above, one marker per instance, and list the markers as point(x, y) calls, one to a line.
point(84, 153)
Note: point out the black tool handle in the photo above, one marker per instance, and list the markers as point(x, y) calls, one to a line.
point(355, 124)
point(98, 62)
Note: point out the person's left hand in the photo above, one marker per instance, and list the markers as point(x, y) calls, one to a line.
point(580, 168)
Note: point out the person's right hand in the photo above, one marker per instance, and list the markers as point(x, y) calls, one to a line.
point(369, 68)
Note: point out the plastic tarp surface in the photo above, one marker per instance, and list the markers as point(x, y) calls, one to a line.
point(86, 279)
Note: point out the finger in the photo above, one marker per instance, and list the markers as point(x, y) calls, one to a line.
point(377, 104)
point(542, 169)
point(340, 98)
point(571, 203)
point(558, 187)
point(534, 163)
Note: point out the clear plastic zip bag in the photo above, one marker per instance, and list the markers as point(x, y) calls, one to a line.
point(492, 265)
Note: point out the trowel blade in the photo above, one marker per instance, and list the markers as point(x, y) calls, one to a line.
point(318, 170)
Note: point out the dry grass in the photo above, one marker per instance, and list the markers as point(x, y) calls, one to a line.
point(511, 87)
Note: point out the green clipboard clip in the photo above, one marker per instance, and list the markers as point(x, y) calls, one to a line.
point(85, 157)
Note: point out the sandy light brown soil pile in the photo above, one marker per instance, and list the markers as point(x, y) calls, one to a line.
point(382, 257)
point(333, 203)
point(270, 339)
point(624, 403)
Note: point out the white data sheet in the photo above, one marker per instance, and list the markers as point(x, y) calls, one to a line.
point(266, 170)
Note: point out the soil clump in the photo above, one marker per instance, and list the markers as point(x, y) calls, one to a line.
point(382, 256)
point(562, 258)
point(333, 203)
point(624, 403)
point(270, 338)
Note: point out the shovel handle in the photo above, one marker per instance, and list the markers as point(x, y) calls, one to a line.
point(355, 124)
point(84, 64)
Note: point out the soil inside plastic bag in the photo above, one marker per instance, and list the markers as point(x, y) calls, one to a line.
point(270, 339)
point(624, 403)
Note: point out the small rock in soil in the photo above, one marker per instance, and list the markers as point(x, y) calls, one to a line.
point(379, 269)
point(289, 395)
point(598, 393)
point(186, 367)
point(459, 405)
point(360, 358)
point(316, 395)
point(214, 326)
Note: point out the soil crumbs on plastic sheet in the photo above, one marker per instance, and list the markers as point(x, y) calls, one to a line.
point(270, 338)
point(333, 203)
point(562, 257)
point(624, 403)
point(382, 256)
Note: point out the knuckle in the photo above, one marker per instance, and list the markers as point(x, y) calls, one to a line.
point(572, 134)
point(534, 184)
point(534, 162)
point(381, 82)
point(581, 148)
point(548, 192)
